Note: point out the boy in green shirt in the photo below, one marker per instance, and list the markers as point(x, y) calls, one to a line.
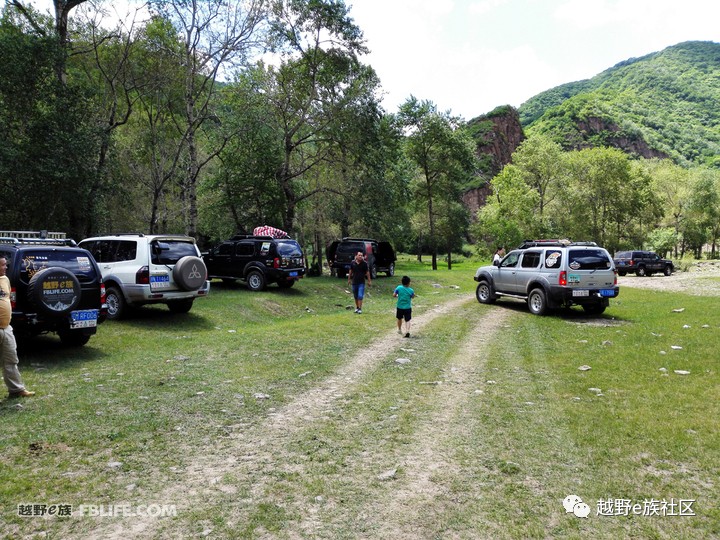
point(404, 295)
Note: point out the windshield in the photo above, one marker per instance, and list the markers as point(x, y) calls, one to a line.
point(288, 248)
point(77, 262)
point(171, 251)
point(351, 247)
point(589, 259)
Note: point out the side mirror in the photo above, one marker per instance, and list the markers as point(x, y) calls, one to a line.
point(496, 263)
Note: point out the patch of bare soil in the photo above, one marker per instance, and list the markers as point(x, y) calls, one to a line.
point(700, 280)
point(259, 447)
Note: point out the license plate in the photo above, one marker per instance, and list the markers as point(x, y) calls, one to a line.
point(581, 292)
point(84, 318)
point(607, 292)
point(293, 274)
point(161, 281)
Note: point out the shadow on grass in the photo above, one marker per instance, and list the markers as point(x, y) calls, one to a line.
point(569, 314)
point(47, 349)
point(161, 318)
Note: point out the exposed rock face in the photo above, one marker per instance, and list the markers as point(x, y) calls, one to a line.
point(497, 134)
point(610, 134)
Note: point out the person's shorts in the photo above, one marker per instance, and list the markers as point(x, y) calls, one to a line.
point(358, 291)
point(403, 314)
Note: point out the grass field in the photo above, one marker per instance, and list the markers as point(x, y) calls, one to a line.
point(245, 417)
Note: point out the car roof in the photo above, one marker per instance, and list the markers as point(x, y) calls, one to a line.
point(126, 236)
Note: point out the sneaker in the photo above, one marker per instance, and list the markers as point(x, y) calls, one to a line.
point(359, 311)
point(399, 331)
point(407, 335)
point(21, 393)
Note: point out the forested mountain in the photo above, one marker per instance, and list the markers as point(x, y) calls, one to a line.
point(665, 104)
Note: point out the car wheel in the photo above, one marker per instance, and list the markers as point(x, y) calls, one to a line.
point(373, 272)
point(115, 302)
point(537, 303)
point(341, 273)
point(641, 272)
point(180, 306)
point(255, 280)
point(484, 293)
point(73, 338)
point(54, 291)
point(391, 270)
point(594, 309)
point(286, 283)
point(190, 273)
point(622, 274)
point(667, 271)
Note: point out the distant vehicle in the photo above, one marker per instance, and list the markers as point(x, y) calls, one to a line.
point(642, 263)
point(258, 260)
point(141, 269)
point(56, 286)
point(380, 256)
point(549, 274)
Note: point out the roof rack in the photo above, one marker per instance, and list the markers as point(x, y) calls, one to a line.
point(251, 236)
point(553, 243)
point(42, 237)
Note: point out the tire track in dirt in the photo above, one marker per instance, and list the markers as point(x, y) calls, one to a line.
point(257, 447)
point(412, 497)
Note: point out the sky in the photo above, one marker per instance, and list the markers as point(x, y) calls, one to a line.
point(470, 56)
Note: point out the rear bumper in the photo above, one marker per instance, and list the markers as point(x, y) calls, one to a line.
point(567, 296)
point(142, 294)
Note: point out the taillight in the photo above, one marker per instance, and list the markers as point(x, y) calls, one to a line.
point(276, 262)
point(631, 263)
point(563, 278)
point(13, 297)
point(615, 282)
point(142, 277)
point(103, 296)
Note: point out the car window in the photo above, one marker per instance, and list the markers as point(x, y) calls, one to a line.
point(126, 250)
point(588, 259)
point(170, 251)
point(77, 262)
point(510, 260)
point(623, 255)
point(288, 248)
point(351, 247)
point(531, 259)
point(225, 249)
point(553, 258)
point(245, 249)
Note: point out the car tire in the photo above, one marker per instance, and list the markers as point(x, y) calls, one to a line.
point(190, 273)
point(286, 283)
point(641, 272)
point(485, 293)
point(117, 306)
point(180, 306)
point(341, 274)
point(537, 302)
point(621, 274)
point(667, 271)
point(594, 309)
point(255, 280)
point(73, 338)
point(391, 270)
point(54, 291)
point(373, 271)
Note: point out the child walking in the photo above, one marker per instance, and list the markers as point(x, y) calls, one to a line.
point(404, 295)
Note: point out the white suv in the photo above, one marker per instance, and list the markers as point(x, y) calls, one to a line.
point(142, 269)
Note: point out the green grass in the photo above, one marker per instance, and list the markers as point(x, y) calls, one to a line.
point(157, 390)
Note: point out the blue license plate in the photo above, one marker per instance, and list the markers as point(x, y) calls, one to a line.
point(607, 292)
point(84, 318)
point(292, 274)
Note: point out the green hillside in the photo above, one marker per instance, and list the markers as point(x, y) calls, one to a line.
point(665, 104)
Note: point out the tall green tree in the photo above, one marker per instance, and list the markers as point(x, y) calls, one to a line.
point(444, 157)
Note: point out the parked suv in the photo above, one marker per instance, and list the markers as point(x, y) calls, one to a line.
point(642, 263)
point(259, 260)
point(143, 269)
point(551, 274)
point(55, 287)
point(380, 256)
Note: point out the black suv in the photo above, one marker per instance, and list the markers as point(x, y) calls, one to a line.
point(642, 263)
point(380, 256)
point(259, 260)
point(55, 287)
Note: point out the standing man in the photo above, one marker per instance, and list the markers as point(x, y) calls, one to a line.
point(359, 271)
point(8, 347)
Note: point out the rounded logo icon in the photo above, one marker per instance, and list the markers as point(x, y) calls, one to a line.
point(569, 502)
point(581, 510)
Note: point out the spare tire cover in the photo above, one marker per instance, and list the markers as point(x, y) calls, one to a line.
point(54, 291)
point(190, 273)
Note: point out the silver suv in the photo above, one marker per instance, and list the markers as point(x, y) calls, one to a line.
point(140, 269)
point(551, 274)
